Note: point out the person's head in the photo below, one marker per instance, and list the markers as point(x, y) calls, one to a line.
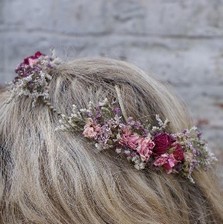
point(50, 176)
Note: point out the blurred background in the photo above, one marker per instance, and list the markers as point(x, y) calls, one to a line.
point(179, 41)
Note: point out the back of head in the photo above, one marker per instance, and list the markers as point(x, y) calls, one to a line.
point(60, 177)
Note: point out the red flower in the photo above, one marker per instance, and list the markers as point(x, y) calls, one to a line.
point(167, 168)
point(163, 142)
point(38, 54)
point(178, 152)
point(33, 57)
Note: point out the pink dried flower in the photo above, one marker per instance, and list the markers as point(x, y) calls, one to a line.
point(89, 132)
point(145, 146)
point(161, 160)
point(91, 129)
point(171, 162)
point(167, 161)
point(129, 139)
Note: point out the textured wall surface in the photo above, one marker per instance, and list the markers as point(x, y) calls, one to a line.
point(181, 41)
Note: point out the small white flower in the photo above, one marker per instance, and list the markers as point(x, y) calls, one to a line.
point(135, 159)
point(83, 110)
point(127, 152)
point(137, 166)
point(140, 166)
point(103, 103)
point(98, 146)
point(118, 150)
point(74, 115)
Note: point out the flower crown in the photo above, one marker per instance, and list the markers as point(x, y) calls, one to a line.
point(141, 143)
point(108, 127)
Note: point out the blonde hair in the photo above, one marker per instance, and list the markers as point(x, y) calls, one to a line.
point(56, 177)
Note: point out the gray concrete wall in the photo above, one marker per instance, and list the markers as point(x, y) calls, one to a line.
point(179, 40)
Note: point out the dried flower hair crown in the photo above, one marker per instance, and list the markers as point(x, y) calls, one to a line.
point(108, 127)
point(144, 145)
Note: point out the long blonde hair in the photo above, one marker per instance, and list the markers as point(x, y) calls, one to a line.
point(58, 178)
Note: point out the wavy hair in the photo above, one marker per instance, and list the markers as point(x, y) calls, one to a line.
point(58, 178)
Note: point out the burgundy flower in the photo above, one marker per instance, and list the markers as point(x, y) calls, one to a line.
point(31, 58)
point(38, 54)
point(26, 61)
point(163, 142)
point(178, 152)
point(167, 167)
point(27, 67)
